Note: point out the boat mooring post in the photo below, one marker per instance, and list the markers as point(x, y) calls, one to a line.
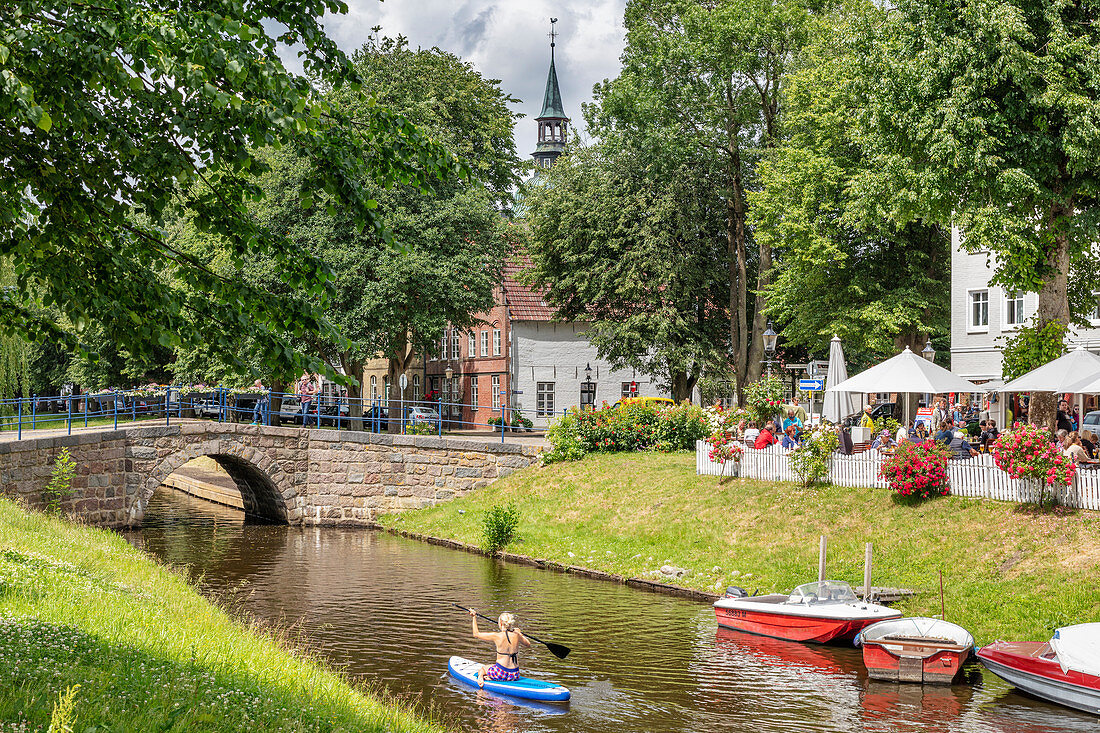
point(822, 550)
point(867, 573)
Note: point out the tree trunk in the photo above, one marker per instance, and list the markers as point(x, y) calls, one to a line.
point(275, 405)
point(1053, 305)
point(738, 266)
point(683, 384)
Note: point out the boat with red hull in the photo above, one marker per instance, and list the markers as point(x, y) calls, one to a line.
point(1065, 670)
point(915, 650)
point(814, 612)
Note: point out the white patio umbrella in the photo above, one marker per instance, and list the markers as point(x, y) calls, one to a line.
point(905, 373)
point(838, 405)
point(1077, 371)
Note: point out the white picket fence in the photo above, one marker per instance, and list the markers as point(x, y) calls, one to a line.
point(976, 477)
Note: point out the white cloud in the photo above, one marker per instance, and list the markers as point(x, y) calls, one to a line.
point(505, 40)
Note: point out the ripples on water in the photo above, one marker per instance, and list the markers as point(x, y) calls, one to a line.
point(379, 607)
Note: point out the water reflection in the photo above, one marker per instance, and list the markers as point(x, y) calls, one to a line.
point(380, 607)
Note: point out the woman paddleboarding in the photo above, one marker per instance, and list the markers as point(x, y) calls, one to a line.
point(508, 642)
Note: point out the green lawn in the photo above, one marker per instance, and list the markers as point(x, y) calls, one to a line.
point(1007, 574)
point(80, 606)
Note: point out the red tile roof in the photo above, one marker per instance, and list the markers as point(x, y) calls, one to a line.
point(524, 302)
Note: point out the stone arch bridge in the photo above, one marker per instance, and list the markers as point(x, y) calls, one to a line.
point(286, 475)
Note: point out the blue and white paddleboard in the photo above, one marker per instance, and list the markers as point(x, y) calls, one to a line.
point(525, 687)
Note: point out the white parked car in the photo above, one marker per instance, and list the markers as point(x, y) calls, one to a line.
point(422, 414)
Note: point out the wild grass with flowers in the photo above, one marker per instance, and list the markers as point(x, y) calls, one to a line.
point(85, 615)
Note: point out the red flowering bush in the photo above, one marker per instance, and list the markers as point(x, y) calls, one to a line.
point(725, 446)
point(918, 470)
point(1028, 452)
point(763, 399)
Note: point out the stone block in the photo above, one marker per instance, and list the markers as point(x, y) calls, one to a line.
point(463, 472)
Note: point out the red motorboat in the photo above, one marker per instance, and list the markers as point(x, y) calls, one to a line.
point(1065, 670)
point(815, 612)
point(915, 650)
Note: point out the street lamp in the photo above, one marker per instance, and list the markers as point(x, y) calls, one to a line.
point(928, 352)
point(588, 389)
point(770, 339)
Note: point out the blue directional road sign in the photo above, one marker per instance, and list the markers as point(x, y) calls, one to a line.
point(811, 385)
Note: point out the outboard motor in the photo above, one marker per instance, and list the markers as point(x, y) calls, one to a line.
point(734, 591)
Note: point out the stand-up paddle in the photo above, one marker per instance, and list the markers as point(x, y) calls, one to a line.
point(559, 651)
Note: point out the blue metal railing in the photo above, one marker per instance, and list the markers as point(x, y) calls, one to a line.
point(223, 404)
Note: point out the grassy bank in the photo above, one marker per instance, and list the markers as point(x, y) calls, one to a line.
point(1007, 574)
point(80, 606)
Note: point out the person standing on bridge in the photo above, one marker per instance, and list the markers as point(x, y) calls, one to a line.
point(259, 410)
point(306, 390)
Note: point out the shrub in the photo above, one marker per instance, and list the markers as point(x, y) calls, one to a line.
point(498, 529)
point(917, 471)
point(810, 460)
point(60, 483)
point(565, 441)
point(1026, 452)
point(521, 420)
point(888, 424)
point(494, 421)
point(764, 399)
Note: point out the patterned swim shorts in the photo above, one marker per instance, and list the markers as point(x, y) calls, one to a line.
point(501, 674)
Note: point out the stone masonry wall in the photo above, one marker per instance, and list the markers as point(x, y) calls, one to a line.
point(286, 474)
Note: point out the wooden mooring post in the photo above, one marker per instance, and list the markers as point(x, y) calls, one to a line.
point(867, 572)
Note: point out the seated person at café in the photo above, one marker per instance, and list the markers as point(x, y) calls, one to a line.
point(766, 437)
point(945, 434)
point(919, 433)
point(1088, 441)
point(989, 435)
point(792, 419)
point(883, 442)
point(790, 437)
point(960, 446)
point(1071, 446)
point(751, 432)
point(903, 434)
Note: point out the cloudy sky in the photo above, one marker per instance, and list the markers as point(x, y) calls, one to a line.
point(506, 40)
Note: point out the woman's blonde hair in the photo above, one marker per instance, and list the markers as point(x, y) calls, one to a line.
point(507, 621)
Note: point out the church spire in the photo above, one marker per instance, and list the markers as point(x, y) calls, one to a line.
point(552, 122)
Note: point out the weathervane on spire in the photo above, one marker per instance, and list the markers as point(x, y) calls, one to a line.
point(552, 34)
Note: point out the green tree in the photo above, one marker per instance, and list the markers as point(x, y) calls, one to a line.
point(702, 82)
point(842, 267)
point(382, 300)
point(634, 256)
point(112, 110)
point(984, 113)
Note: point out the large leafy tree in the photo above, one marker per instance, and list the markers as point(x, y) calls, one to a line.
point(842, 266)
point(386, 301)
point(986, 113)
point(110, 111)
point(702, 82)
point(636, 256)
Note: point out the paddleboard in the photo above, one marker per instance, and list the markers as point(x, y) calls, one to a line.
point(525, 687)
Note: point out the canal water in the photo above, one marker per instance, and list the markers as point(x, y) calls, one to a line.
point(380, 608)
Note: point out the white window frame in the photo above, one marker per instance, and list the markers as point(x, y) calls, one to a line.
point(373, 387)
point(456, 344)
point(484, 343)
point(1010, 325)
point(443, 346)
point(471, 345)
point(496, 342)
point(1094, 319)
point(496, 391)
point(971, 327)
point(544, 399)
point(473, 393)
point(625, 391)
point(416, 388)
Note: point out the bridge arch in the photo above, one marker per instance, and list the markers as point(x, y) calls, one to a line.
point(266, 490)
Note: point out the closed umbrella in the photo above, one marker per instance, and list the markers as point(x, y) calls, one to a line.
point(905, 373)
point(838, 405)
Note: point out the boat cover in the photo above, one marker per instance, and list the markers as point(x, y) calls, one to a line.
point(917, 627)
point(1078, 648)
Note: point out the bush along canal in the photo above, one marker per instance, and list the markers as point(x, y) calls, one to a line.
point(381, 608)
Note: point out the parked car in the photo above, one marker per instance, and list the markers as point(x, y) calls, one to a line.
point(377, 417)
point(1091, 421)
point(418, 414)
point(884, 409)
point(207, 407)
point(647, 401)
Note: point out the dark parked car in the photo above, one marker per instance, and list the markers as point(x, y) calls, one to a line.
point(377, 418)
point(885, 409)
